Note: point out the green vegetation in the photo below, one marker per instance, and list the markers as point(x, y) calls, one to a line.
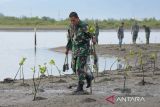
point(47, 22)
point(20, 70)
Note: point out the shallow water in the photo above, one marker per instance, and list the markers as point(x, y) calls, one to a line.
point(15, 45)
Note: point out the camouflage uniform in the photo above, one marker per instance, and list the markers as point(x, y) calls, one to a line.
point(120, 35)
point(147, 31)
point(79, 43)
point(135, 30)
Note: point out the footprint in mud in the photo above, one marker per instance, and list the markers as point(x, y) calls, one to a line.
point(104, 80)
point(24, 85)
point(141, 83)
point(141, 75)
point(157, 74)
point(70, 86)
point(126, 90)
point(88, 100)
point(39, 98)
point(80, 93)
point(60, 81)
point(41, 90)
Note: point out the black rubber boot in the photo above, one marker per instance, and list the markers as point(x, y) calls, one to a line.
point(80, 86)
point(89, 79)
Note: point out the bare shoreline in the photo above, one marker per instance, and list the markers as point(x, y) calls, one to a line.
point(31, 29)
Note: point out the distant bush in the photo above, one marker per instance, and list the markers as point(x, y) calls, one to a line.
point(8, 21)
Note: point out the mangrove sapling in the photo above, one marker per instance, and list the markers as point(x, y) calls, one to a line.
point(113, 64)
point(95, 63)
point(42, 70)
point(153, 58)
point(57, 68)
point(52, 63)
point(34, 83)
point(128, 67)
point(140, 59)
point(132, 55)
point(20, 70)
point(141, 62)
point(125, 74)
point(117, 60)
point(45, 65)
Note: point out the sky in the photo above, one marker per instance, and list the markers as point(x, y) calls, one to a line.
point(91, 9)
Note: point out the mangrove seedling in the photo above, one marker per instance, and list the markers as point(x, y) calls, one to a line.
point(34, 83)
point(153, 58)
point(113, 63)
point(20, 70)
point(52, 63)
point(141, 62)
point(126, 73)
point(95, 66)
point(125, 77)
point(42, 70)
point(45, 65)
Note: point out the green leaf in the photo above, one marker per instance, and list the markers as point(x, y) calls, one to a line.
point(52, 62)
point(118, 59)
point(42, 69)
point(153, 56)
point(33, 69)
point(22, 61)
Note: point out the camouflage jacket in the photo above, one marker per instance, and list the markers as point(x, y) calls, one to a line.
point(135, 29)
point(79, 39)
point(120, 32)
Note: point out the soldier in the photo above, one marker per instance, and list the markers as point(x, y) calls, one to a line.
point(120, 34)
point(147, 32)
point(79, 43)
point(134, 32)
point(97, 32)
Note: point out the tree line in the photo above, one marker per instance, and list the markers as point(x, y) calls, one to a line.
point(48, 22)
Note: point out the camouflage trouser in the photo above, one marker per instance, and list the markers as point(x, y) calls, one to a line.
point(79, 66)
point(120, 37)
point(147, 38)
point(134, 38)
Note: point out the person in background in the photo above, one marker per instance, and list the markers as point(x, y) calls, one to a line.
point(96, 31)
point(120, 34)
point(147, 32)
point(134, 32)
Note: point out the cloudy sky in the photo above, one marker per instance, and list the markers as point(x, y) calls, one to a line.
point(96, 9)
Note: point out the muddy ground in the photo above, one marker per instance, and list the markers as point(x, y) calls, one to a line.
point(57, 92)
